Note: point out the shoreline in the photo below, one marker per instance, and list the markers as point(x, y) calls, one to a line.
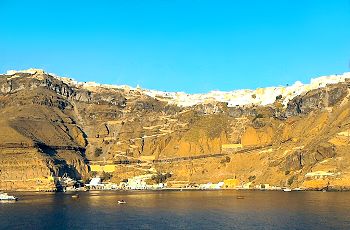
point(180, 189)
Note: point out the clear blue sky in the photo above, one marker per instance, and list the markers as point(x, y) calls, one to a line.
point(192, 46)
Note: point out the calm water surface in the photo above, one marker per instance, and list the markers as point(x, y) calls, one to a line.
point(178, 210)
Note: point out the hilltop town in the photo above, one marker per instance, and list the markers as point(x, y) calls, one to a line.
point(56, 132)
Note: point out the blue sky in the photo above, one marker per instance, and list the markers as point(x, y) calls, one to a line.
point(192, 46)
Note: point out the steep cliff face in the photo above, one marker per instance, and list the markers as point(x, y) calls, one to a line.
point(39, 135)
point(50, 126)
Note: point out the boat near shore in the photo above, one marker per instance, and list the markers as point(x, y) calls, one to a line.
point(75, 196)
point(6, 197)
point(121, 202)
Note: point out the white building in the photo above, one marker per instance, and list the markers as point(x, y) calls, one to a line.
point(95, 183)
point(210, 185)
point(136, 184)
point(319, 174)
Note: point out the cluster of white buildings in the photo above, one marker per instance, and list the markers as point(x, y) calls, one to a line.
point(139, 183)
point(260, 96)
point(210, 185)
point(135, 183)
point(320, 175)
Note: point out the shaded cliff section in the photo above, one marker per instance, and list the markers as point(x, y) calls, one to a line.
point(39, 137)
point(49, 128)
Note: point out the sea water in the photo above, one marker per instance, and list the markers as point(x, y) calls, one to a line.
point(223, 209)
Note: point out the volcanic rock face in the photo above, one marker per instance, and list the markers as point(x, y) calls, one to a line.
point(50, 126)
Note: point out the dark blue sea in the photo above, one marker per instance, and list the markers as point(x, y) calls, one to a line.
point(178, 210)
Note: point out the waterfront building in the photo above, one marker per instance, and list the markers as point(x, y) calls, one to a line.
point(95, 183)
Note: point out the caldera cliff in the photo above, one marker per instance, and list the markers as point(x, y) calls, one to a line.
point(295, 136)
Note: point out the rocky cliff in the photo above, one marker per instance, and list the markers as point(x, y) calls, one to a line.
point(286, 136)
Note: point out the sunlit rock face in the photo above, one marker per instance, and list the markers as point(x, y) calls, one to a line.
point(51, 125)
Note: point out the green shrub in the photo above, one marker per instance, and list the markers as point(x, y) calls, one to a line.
point(98, 152)
point(278, 97)
point(290, 180)
point(106, 176)
point(251, 178)
point(226, 160)
point(160, 177)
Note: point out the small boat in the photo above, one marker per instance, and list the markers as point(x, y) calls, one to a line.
point(240, 197)
point(76, 196)
point(121, 202)
point(5, 197)
point(287, 190)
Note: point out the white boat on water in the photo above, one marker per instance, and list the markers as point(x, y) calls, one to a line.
point(287, 190)
point(5, 197)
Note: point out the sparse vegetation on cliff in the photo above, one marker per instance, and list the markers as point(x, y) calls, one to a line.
point(50, 126)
